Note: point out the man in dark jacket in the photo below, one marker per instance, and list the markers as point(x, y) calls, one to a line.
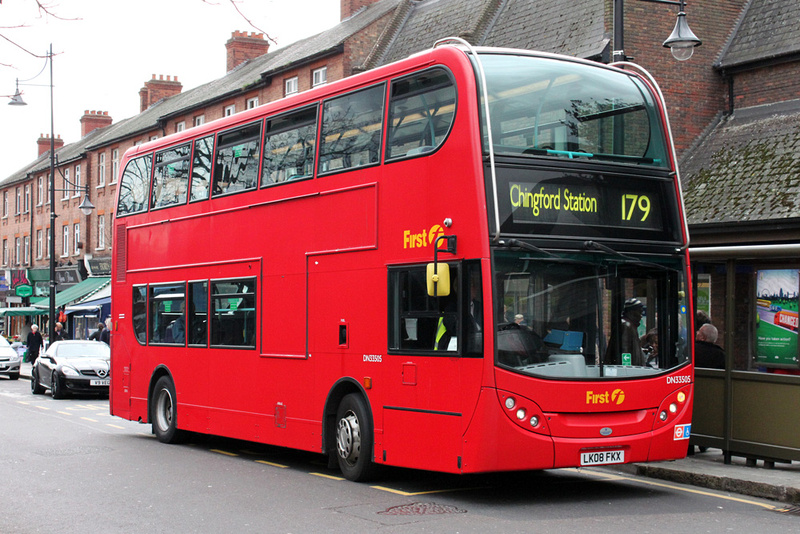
point(60, 333)
point(34, 343)
point(706, 352)
point(97, 334)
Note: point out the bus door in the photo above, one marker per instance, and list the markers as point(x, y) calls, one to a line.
point(434, 362)
point(233, 337)
point(120, 340)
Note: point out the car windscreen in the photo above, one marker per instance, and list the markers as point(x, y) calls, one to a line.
point(83, 350)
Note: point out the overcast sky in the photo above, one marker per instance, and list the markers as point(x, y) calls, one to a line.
point(111, 47)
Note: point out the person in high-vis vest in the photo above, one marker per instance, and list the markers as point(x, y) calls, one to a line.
point(447, 327)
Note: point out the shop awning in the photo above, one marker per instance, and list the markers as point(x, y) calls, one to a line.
point(23, 310)
point(103, 295)
point(77, 292)
point(93, 302)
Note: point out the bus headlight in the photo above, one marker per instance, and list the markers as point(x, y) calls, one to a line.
point(524, 412)
point(673, 408)
point(663, 415)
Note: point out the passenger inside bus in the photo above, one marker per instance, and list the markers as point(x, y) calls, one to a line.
point(446, 338)
point(649, 343)
point(628, 344)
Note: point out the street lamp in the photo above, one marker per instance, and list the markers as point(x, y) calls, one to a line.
point(682, 41)
point(86, 206)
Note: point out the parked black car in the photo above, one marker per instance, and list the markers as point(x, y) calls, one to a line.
point(72, 367)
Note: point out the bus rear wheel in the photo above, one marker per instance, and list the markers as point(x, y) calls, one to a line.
point(354, 439)
point(165, 412)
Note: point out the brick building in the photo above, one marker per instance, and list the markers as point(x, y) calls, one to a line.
point(742, 177)
point(370, 33)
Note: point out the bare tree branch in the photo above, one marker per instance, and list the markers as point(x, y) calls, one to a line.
point(250, 22)
point(22, 48)
point(47, 9)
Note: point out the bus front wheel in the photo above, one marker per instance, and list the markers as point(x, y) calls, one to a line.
point(165, 411)
point(354, 439)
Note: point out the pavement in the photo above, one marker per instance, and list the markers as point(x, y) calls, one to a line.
point(766, 480)
point(778, 482)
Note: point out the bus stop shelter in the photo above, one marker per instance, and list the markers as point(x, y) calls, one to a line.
point(751, 408)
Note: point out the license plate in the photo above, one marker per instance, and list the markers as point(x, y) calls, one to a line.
point(106, 382)
point(602, 457)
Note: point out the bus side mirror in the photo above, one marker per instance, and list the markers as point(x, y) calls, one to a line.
point(439, 283)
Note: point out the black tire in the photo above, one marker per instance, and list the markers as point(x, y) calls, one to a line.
point(13, 376)
point(36, 387)
point(56, 389)
point(354, 439)
point(164, 412)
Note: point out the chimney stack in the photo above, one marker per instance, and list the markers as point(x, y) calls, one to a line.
point(93, 120)
point(158, 89)
point(243, 47)
point(349, 7)
point(44, 143)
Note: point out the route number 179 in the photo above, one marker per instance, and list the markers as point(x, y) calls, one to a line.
point(635, 206)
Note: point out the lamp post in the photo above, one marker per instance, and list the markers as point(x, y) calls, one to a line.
point(86, 206)
point(682, 41)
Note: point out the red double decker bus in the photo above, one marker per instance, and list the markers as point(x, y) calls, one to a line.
point(465, 261)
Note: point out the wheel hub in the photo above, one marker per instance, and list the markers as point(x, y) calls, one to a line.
point(348, 439)
point(164, 411)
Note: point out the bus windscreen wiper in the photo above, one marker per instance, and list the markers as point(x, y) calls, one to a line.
point(629, 260)
point(527, 246)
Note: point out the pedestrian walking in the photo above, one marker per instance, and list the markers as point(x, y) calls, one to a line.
point(35, 343)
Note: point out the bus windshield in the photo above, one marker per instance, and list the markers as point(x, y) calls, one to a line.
point(546, 107)
point(589, 315)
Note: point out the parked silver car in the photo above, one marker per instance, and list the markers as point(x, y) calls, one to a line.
point(10, 360)
point(72, 367)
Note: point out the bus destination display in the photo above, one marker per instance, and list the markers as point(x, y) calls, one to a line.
point(585, 204)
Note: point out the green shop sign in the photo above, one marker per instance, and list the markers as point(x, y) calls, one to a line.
point(24, 290)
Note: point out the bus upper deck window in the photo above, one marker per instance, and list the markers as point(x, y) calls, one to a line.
point(237, 160)
point(351, 130)
point(201, 168)
point(289, 147)
point(421, 113)
point(171, 177)
point(135, 186)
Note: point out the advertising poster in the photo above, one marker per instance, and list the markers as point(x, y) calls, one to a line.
point(703, 293)
point(776, 316)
